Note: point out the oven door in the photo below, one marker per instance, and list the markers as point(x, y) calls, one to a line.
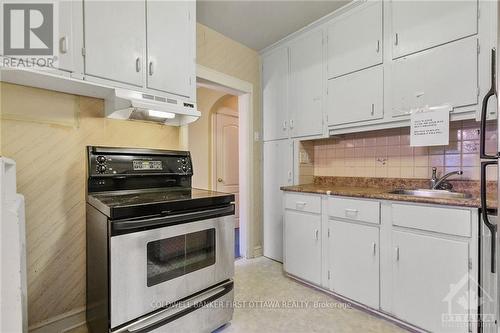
point(152, 268)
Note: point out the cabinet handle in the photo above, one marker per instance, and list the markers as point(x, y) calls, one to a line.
point(138, 64)
point(316, 234)
point(150, 68)
point(378, 46)
point(290, 177)
point(396, 39)
point(63, 45)
point(374, 247)
point(373, 109)
point(300, 204)
point(284, 125)
point(397, 253)
point(291, 123)
point(351, 212)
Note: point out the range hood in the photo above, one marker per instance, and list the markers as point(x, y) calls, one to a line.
point(126, 104)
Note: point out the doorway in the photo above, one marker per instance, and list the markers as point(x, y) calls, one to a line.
point(225, 154)
point(222, 139)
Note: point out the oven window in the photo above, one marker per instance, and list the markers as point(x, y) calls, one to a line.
point(176, 256)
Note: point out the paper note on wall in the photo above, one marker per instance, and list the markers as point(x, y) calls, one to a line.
point(430, 126)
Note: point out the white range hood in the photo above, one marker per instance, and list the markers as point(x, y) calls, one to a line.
point(133, 105)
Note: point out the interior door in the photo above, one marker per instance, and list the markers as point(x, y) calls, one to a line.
point(115, 40)
point(306, 85)
point(354, 261)
point(430, 280)
point(227, 157)
point(171, 42)
point(355, 40)
point(274, 94)
point(419, 25)
point(277, 172)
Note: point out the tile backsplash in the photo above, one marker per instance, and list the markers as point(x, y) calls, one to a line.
point(387, 153)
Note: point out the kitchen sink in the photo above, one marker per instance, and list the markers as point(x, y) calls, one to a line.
point(432, 193)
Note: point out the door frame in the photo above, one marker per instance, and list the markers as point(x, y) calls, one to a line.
point(209, 78)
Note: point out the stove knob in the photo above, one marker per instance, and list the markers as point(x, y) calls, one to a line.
point(184, 168)
point(101, 159)
point(183, 161)
point(101, 168)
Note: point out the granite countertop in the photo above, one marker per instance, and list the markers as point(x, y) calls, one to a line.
point(379, 188)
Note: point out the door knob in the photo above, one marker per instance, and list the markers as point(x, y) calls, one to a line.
point(219, 180)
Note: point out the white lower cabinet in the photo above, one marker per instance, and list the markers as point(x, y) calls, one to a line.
point(430, 280)
point(302, 245)
point(416, 263)
point(354, 261)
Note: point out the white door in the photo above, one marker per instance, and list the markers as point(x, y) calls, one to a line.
point(171, 43)
point(355, 40)
point(419, 25)
point(70, 36)
point(115, 40)
point(356, 97)
point(227, 157)
point(430, 280)
point(277, 172)
point(354, 261)
point(303, 246)
point(442, 75)
point(306, 85)
point(274, 95)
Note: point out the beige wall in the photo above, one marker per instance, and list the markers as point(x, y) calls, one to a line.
point(50, 158)
point(222, 54)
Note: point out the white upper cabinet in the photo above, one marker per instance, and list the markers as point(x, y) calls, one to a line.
point(306, 85)
point(115, 40)
point(355, 40)
point(356, 97)
point(170, 43)
point(274, 94)
point(70, 38)
point(418, 25)
point(438, 76)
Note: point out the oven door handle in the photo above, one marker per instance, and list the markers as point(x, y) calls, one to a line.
point(177, 310)
point(128, 225)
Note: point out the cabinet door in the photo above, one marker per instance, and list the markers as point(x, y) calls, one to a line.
point(115, 38)
point(70, 36)
point(430, 280)
point(418, 25)
point(171, 43)
point(277, 172)
point(274, 94)
point(303, 246)
point(355, 40)
point(356, 97)
point(442, 75)
point(306, 85)
point(354, 261)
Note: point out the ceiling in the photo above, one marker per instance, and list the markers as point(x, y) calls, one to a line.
point(260, 23)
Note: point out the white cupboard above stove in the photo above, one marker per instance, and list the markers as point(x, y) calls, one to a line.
point(144, 47)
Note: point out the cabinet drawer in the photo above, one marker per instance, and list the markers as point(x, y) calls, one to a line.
point(301, 202)
point(437, 219)
point(358, 210)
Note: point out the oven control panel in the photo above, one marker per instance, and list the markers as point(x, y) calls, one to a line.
point(117, 162)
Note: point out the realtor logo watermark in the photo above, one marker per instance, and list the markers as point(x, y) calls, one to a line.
point(28, 35)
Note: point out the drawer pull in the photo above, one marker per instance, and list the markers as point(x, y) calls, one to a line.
point(351, 212)
point(316, 234)
point(397, 253)
point(300, 204)
point(374, 246)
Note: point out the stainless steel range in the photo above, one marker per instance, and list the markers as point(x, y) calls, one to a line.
point(159, 253)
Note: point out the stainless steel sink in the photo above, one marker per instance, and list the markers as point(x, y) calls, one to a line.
point(432, 193)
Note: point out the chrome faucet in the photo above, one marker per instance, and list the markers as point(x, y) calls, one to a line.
point(436, 182)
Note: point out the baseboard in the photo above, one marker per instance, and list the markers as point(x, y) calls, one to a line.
point(61, 323)
point(257, 251)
